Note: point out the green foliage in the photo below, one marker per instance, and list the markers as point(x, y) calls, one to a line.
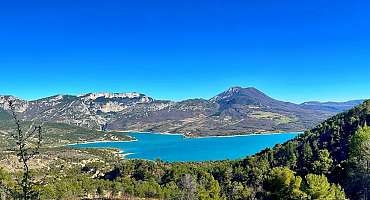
point(324, 162)
point(307, 153)
point(149, 189)
point(283, 184)
point(359, 147)
point(6, 183)
point(5, 177)
point(357, 168)
point(171, 191)
point(239, 191)
point(209, 188)
point(318, 187)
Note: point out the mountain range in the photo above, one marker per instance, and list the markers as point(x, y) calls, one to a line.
point(235, 111)
point(331, 106)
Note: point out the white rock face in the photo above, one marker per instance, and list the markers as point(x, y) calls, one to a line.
point(227, 94)
point(57, 98)
point(93, 96)
point(112, 107)
point(145, 99)
point(116, 105)
point(5, 99)
point(20, 105)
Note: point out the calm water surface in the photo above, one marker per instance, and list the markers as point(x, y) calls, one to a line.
point(179, 148)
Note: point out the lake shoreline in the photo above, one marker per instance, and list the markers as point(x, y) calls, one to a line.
point(184, 135)
point(246, 135)
point(101, 141)
point(151, 146)
point(212, 136)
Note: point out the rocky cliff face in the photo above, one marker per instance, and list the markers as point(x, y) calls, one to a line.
point(237, 110)
point(88, 110)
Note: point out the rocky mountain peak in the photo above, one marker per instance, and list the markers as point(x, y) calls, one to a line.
point(234, 89)
point(250, 94)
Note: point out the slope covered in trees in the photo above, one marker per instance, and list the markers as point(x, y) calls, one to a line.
point(337, 148)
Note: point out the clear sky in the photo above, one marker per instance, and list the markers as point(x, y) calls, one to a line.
point(293, 50)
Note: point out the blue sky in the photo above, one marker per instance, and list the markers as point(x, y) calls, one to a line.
point(292, 50)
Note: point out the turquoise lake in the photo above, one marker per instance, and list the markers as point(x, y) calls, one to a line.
point(174, 148)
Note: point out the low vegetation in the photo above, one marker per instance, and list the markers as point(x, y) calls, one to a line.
point(58, 134)
point(279, 118)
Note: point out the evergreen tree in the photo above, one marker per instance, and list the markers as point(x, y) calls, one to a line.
point(324, 162)
point(283, 184)
point(318, 187)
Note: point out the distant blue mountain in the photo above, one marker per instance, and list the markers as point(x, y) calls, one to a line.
point(331, 106)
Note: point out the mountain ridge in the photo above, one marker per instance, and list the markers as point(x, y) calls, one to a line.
point(235, 111)
point(332, 105)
